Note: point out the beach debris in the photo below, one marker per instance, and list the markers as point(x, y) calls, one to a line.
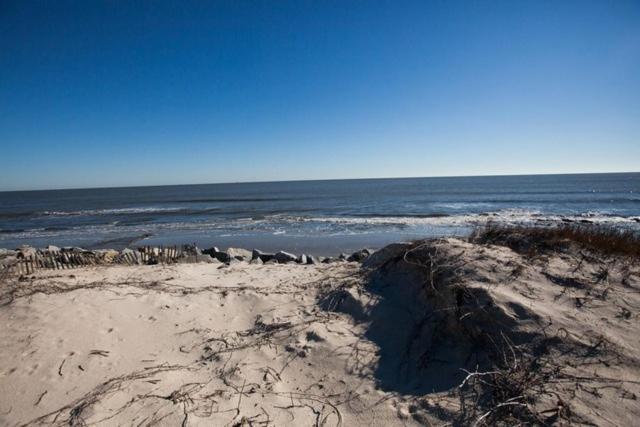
point(40, 398)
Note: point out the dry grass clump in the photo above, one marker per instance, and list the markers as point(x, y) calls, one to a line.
point(532, 240)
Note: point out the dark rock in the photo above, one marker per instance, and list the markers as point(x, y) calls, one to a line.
point(216, 253)
point(211, 251)
point(264, 256)
point(342, 257)
point(311, 260)
point(283, 257)
point(74, 249)
point(328, 260)
point(222, 256)
point(302, 259)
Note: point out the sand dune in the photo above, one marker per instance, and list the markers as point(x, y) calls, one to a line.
point(436, 332)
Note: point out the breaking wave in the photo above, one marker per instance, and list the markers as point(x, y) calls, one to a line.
point(119, 211)
point(506, 217)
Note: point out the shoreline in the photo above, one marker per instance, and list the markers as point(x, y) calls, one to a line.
point(353, 233)
point(27, 258)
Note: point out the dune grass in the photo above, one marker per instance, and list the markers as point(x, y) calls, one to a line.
point(532, 240)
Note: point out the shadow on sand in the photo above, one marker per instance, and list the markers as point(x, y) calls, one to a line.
point(427, 336)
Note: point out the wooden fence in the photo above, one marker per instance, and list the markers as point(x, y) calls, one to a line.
point(63, 260)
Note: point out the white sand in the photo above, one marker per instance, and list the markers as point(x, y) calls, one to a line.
point(204, 344)
point(186, 342)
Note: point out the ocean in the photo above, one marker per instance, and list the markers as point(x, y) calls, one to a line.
point(317, 217)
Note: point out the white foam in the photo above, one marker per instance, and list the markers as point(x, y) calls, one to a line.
point(511, 216)
point(113, 211)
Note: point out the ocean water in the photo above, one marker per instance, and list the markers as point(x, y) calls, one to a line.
point(319, 217)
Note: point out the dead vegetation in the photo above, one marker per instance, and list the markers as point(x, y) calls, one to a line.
point(490, 374)
point(532, 240)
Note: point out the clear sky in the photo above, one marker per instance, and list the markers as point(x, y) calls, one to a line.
point(119, 93)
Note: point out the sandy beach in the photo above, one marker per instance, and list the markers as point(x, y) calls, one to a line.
point(429, 333)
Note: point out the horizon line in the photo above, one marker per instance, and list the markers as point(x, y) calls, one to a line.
point(313, 180)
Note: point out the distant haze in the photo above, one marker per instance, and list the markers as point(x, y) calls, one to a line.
point(99, 94)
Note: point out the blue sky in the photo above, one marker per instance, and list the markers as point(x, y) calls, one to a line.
point(144, 93)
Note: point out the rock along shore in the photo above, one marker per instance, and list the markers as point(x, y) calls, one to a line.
point(26, 259)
